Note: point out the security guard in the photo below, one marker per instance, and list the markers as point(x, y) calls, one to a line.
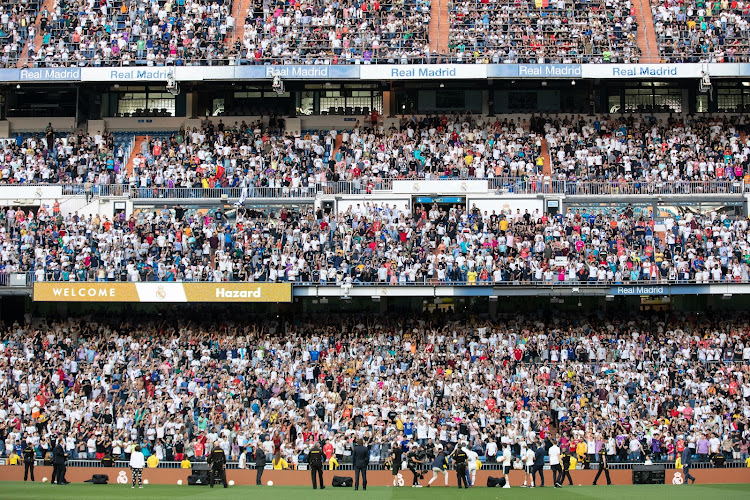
point(217, 460)
point(28, 461)
point(603, 464)
point(315, 462)
point(565, 457)
point(460, 456)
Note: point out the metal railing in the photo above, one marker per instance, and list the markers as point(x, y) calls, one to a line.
point(554, 283)
point(380, 465)
point(501, 185)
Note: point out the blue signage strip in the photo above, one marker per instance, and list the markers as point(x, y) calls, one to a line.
point(377, 72)
point(323, 72)
point(50, 75)
point(534, 71)
point(659, 290)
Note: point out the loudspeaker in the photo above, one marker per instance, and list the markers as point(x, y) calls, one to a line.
point(327, 206)
point(648, 474)
point(195, 480)
point(342, 482)
point(495, 482)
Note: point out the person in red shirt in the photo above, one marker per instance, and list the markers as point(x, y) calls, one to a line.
point(328, 450)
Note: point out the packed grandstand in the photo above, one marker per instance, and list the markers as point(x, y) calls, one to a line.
point(503, 227)
point(634, 387)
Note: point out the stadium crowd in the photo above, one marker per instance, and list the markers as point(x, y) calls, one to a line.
point(633, 387)
point(130, 32)
point(134, 32)
point(317, 32)
point(619, 150)
point(697, 31)
point(543, 32)
point(370, 243)
point(647, 149)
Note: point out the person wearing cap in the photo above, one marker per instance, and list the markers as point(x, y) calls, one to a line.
point(217, 460)
point(603, 463)
point(315, 462)
point(439, 466)
point(459, 456)
point(28, 461)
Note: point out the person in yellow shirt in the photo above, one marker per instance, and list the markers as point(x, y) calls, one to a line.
point(471, 277)
point(581, 450)
point(279, 463)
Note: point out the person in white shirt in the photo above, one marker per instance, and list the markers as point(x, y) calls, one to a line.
point(137, 463)
point(528, 465)
point(491, 451)
point(554, 463)
point(471, 469)
point(507, 464)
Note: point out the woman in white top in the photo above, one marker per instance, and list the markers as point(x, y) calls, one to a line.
point(137, 463)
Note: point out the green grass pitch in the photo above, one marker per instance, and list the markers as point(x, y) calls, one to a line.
point(39, 490)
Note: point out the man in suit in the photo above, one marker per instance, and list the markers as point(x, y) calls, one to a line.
point(361, 459)
point(260, 464)
point(538, 466)
point(58, 463)
point(687, 462)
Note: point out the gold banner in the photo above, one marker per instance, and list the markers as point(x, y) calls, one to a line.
point(164, 292)
point(238, 292)
point(85, 292)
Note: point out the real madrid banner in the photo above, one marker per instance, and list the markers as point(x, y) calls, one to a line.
point(162, 292)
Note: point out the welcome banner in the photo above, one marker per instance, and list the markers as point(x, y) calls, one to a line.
point(166, 292)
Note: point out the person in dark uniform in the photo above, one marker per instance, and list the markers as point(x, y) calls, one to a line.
point(603, 463)
point(460, 457)
point(360, 459)
point(217, 460)
point(413, 464)
point(396, 459)
point(260, 464)
point(315, 462)
point(58, 464)
point(28, 461)
point(538, 466)
point(565, 460)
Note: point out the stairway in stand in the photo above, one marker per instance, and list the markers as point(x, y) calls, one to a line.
point(439, 27)
point(547, 169)
point(139, 140)
point(646, 37)
point(238, 12)
point(23, 59)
